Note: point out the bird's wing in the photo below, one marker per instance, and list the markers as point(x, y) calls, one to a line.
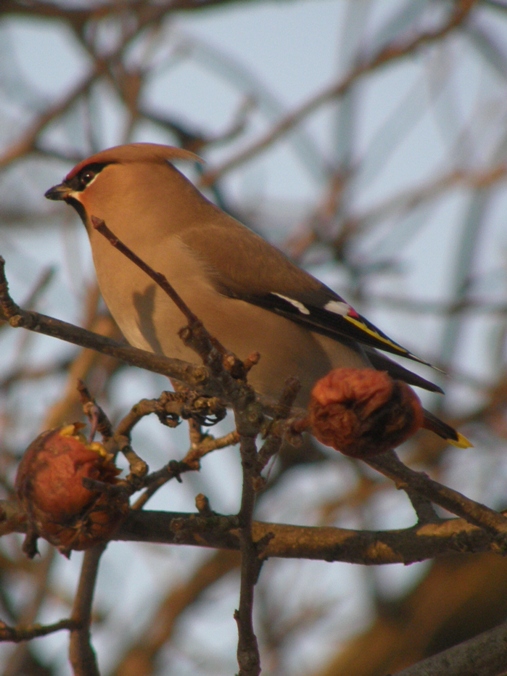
point(328, 314)
point(382, 363)
point(244, 266)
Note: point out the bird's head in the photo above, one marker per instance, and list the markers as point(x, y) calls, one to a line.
point(101, 183)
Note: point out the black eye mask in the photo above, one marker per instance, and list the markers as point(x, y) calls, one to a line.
point(85, 176)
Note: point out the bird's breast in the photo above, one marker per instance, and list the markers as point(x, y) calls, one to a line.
point(150, 320)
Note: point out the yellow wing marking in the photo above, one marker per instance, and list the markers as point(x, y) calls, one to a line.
point(461, 442)
point(375, 335)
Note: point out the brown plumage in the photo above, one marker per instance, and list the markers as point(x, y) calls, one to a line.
point(247, 293)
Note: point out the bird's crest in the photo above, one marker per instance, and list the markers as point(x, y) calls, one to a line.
point(135, 152)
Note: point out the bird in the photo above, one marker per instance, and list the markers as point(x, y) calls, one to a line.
point(248, 293)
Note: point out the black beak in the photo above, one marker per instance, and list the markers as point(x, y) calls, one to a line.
point(58, 192)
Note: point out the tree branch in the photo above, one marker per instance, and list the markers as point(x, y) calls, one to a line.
point(391, 466)
point(323, 543)
point(196, 376)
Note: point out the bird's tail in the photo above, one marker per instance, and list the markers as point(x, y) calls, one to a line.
point(452, 436)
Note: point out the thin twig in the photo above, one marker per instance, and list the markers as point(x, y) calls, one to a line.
point(190, 463)
point(114, 442)
point(18, 634)
point(157, 277)
point(248, 649)
point(278, 428)
point(81, 653)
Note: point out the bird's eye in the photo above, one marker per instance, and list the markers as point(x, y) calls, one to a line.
point(81, 179)
point(86, 176)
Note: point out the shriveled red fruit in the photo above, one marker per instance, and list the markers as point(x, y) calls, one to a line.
point(363, 412)
point(49, 484)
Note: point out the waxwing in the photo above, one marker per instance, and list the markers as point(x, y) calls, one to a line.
point(247, 293)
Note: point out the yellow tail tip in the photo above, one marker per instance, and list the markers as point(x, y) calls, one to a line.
point(460, 442)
